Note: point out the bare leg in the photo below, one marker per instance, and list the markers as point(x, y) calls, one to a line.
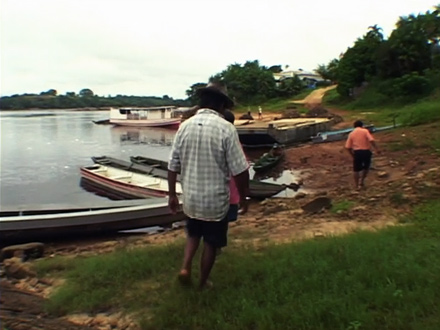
point(192, 244)
point(356, 179)
point(364, 175)
point(208, 259)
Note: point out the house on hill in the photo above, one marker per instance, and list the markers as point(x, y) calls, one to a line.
point(310, 78)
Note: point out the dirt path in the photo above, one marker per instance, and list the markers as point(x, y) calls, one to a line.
point(314, 98)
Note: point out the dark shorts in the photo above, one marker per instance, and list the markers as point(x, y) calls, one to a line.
point(233, 212)
point(361, 160)
point(213, 232)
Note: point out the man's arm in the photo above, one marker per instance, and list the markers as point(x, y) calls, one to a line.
point(242, 183)
point(374, 144)
point(350, 151)
point(349, 145)
point(238, 166)
point(172, 179)
point(173, 201)
point(173, 169)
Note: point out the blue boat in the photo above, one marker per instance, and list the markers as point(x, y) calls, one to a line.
point(337, 135)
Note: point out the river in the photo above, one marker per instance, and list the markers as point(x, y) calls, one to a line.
point(42, 151)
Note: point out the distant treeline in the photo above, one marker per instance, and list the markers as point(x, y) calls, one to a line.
point(84, 99)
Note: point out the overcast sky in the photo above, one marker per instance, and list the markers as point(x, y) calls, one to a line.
point(158, 47)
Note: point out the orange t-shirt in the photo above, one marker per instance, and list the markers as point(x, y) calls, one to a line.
point(359, 139)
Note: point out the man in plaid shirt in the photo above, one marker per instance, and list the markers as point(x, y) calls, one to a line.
point(206, 152)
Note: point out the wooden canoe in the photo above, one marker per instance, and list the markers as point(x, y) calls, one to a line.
point(264, 164)
point(31, 223)
point(127, 183)
point(257, 189)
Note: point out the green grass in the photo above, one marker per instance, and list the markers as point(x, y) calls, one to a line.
point(372, 107)
point(276, 105)
point(342, 206)
point(384, 280)
point(405, 143)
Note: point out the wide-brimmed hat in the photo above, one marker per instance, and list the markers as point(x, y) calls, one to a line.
point(219, 89)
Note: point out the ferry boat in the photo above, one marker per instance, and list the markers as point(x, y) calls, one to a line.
point(145, 117)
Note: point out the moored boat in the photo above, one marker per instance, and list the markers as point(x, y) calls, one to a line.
point(30, 223)
point(127, 183)
point(134, 166)
point(337, 135)
point(269, 160)
point(257, 189)
point(144, 117)
point(141, 160)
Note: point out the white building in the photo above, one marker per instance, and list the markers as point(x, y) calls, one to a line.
point(306, 76)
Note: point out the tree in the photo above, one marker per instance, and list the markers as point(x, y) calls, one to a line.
point(86, 92)
point(192, 92)
point(275, 69)
point(50, 92)
point(249, 83)
point(329, 71)
point(359, 62)
point(411, 46)
point(290, 86)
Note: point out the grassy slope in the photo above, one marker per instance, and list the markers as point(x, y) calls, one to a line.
point(388, 279)
point(421, 111)
point(275, 105)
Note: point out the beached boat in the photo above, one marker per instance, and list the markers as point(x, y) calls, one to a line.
point(144, 117)
point(256, 134)
point(257, 189)
point(102, 122)
point(160, 171)
point(337, 135)
point(39, 222)
point(142, 160)
point(126, 135)
point(269, 160)
point(127, 183)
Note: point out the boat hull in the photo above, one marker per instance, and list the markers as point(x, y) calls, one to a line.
point(170, 123)
point(257, 189)
point(126, 188)
point(69, 224)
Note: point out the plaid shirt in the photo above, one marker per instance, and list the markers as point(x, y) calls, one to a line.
point(206, 150)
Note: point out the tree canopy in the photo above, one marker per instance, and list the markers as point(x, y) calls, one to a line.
point(84, 99)
point(401, 64)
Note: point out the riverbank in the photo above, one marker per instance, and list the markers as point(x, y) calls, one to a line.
point(266, 272)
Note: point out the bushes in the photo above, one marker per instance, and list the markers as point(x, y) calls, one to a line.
point(412, 84)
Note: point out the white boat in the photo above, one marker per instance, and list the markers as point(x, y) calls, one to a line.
point(126, 184)
point(30, 223)
point(155, 136)
point(144, 117)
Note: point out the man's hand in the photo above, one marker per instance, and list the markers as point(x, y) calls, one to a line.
point(173, 203)
point(243, 207)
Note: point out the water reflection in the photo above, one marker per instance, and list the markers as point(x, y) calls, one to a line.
point(143, 135)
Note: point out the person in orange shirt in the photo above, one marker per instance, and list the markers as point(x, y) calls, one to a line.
point(359, 145)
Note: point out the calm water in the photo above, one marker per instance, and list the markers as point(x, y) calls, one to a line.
point(42, 151)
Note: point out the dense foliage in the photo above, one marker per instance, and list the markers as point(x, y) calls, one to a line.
point(84, 99)
point(252, 83)
point(407, 64)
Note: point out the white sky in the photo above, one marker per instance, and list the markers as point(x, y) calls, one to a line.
point(158, 47)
